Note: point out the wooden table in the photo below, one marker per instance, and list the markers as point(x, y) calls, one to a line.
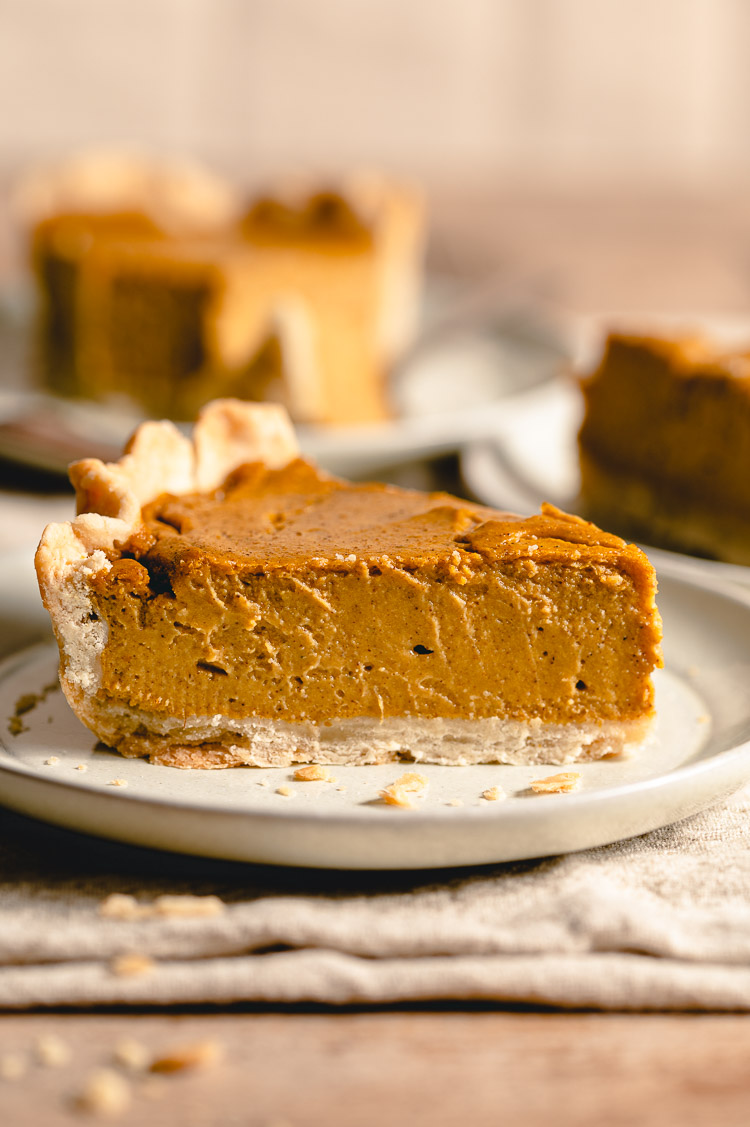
point(374, 1069)
point(469, 1065)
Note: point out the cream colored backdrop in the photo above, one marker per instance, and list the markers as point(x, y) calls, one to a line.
point(606, 90)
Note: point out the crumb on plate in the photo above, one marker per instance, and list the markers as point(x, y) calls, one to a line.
point(314, 773)
point(404, 790)
point(563, 783)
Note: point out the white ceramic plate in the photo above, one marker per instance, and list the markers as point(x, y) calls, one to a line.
point(533, 457)
point(700, 753)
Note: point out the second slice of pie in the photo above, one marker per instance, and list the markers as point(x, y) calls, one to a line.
point(220, 602)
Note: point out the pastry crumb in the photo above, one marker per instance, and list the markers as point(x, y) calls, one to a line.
point(263, 782)
point(81, 767)
point(314, 773)
point(285, 791)
point(117, 783)
point(26, 702)
point(53, 759)
point(198, 1054)
point(105, 1093)
point(132, 965)
point(563, 783)
point(13, 1066)
point(412, 780)
point(341, 790)
point(404, 790)
point(188, 905)
point(397, 796)
point(121, 906)
point(131, 1054)
point(52, 1051)
point(493, 794)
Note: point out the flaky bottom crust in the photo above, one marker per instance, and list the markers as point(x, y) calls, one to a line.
point(218, 741)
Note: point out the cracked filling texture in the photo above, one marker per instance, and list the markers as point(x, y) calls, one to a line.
point(290, 595)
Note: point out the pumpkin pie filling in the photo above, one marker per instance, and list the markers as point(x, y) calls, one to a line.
point(284, 616)
point(665, 443)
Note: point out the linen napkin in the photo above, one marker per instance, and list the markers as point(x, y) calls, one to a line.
point(660, 921)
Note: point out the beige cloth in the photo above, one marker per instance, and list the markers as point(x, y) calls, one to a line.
point(658, 922)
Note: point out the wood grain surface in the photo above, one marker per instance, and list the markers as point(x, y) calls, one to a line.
point(368, 1069)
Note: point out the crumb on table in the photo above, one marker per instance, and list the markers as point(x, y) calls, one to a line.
point(198, 1054)
point(104, 1093)
point(52, 1051)
point(131, 1054)
point(493, 794)
point(131, 965)
point(122, 906)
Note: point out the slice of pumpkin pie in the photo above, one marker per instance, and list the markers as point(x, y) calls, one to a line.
point(220, 601)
